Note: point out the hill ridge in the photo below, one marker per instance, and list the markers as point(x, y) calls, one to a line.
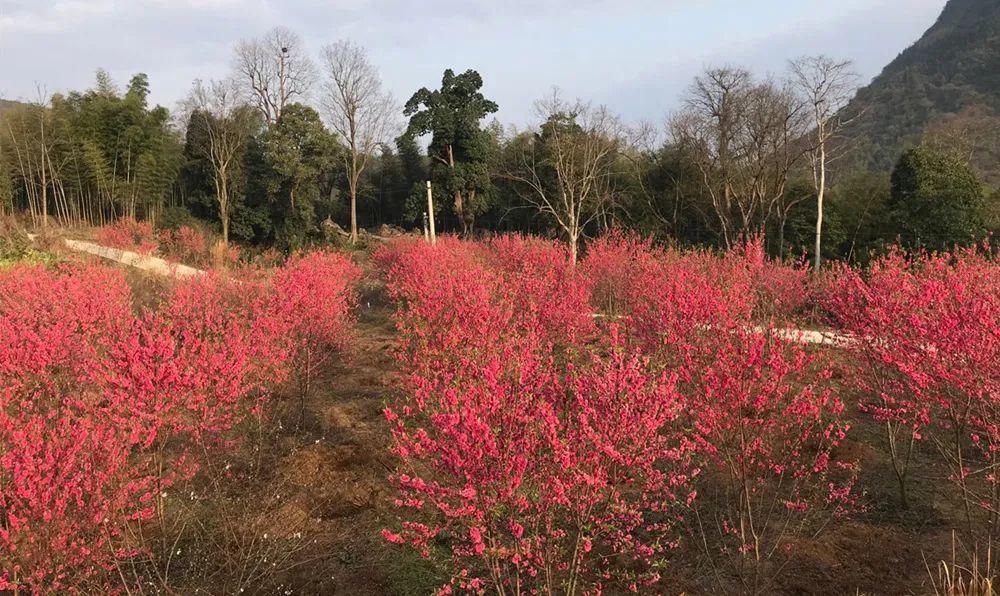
point(953, 65)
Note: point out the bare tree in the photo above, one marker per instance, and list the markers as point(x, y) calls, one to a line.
point(30, 134)
point(972, 135)
point(707, 126)
point(358, 110)
point(565, 169)
point(826, 85)
point(273, 70)
point(745, 139)
point(221, 124)
point(6, 185)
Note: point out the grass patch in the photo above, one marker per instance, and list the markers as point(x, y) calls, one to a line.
point(16, 248)
point(409, 574)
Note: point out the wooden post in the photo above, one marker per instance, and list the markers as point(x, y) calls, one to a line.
point(430, 212)
point(427, 231)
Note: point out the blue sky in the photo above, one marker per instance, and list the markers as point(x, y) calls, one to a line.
point(636, 56)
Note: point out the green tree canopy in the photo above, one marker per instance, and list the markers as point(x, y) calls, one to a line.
point(935, 201)
point(300, 154)
point(95, 154)
point(459, 148)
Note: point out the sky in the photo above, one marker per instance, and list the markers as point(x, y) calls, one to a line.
point(635, 56)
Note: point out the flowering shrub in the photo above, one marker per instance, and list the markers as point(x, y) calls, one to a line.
point(231, 341)
point(770, 289)
point(129, 234)
point(828, 289)
point(552, 453)
point(67, 486)
point(103, 409)
point(222, 344)
point(190, 246)
point(186, 245)
point(664, 296)
point(225, 255)
point(767, 427)
point(764, 426)
point(536, 465)
point(545, 287)
point(928, 346)
point(612, 264)
point(544, 491)
point(441, 291)
point(315, 296)
point(316, 292)
point(780, 289)
point(269, 258)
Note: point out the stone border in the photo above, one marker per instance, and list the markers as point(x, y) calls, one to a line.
point(148, 263)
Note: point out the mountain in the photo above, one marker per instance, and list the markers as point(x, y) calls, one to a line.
point(954, 66)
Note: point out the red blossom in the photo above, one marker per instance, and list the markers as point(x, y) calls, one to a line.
point(129, 234)
point(94, 390)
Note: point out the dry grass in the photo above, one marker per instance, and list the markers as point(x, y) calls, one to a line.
point(953, 579)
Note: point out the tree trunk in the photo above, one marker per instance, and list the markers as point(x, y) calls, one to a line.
point(354, 195)
point(459, 207)
point(820, 191)
point(354, 216)
point(459, 203)
point(223, 192)
point(45, 182)
point(781, 237)
point(468, 215)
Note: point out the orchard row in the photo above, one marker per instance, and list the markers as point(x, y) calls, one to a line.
point(564, 428)
point(107, 406)
point(579, 429)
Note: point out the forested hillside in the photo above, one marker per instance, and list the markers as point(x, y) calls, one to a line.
point(954, 66)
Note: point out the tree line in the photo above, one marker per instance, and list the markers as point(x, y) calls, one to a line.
point(287, 148)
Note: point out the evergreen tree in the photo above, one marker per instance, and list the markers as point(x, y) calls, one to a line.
point(936, 200)
point(459, 148)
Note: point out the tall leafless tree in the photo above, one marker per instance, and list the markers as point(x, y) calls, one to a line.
point(273, 70)
point(708, 126)
point(565, 169)
point(357, 109)
point(223, 125)
point(745, 137)
point(826, 86)
point(973, 136)
point(30, 137)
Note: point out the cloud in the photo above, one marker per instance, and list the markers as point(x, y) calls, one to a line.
point(870, 34)
point(27, 17)
point(634, 55)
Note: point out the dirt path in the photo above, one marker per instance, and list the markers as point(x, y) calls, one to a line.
point(341, 477)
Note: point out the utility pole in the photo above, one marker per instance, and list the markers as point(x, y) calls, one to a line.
point(430, 212)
